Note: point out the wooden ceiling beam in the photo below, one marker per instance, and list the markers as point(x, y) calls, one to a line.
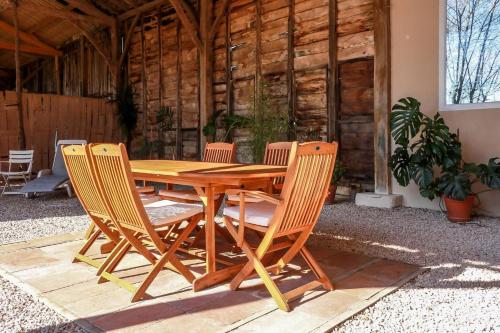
point(141, 9)
point(88, 8)
point(192, 28)
point(10, 46)
point(27, 37)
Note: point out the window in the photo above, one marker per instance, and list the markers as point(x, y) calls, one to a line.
point(469, 54)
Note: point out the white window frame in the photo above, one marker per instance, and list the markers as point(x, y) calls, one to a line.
point(443, 106)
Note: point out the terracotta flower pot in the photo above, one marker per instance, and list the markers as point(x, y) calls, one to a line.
point(330, 199)
point(459, 210)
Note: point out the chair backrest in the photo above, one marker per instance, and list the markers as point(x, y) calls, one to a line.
point(220, 152)
point(21, 157)
point(306, 185)
point(114, 178)
point(58, 166)
point(80, 173)
point(277, 153)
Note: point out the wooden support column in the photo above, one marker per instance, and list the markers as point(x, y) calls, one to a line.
point(57, 67)
point(290, 66)
point(115, 36)
point(333, 98)
point(178, 104)
point(206, 102)
point(382, 95)
point(83, 68)
point(144, 83)
point(21, 135)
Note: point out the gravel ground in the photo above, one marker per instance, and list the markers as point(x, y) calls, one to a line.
point(23, 219)
point(460, 292)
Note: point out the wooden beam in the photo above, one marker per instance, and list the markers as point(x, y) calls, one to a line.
point(206, 64)
point(57, 73)
point(88, 8)
point(218, 19)
point(83, 67)
point(115, 36)
point(27, 37)
point(141, 9)
point(20, 116)
point(333, 98)
point(10, 46)
point(128, 38)
point(178, 85)
point(191, 26)
point(144, 81)
point(290, 74)
point(382, 95)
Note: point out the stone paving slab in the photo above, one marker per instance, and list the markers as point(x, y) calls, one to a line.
point(44, 266)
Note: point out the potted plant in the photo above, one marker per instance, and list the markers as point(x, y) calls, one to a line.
point(338, 172)
point(430, 155)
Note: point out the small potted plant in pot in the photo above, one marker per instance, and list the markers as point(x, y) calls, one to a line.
point(338, 172)
point(430, 155)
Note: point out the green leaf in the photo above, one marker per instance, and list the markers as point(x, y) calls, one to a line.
point(489, 174)
point(455, 185)
point(406, 120)
point(400, 166)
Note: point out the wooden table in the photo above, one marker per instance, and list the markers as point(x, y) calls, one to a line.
point(208, 179)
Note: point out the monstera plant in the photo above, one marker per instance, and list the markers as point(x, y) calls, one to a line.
point(429, 154)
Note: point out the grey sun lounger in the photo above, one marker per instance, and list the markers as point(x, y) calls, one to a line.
point(50, 180)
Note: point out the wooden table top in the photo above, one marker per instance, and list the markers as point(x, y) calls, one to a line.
point(206, 170)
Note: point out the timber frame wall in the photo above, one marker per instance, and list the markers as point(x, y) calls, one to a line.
point(199, 56)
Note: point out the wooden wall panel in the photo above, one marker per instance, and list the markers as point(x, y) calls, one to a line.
point(356, 119)
point(71, 117)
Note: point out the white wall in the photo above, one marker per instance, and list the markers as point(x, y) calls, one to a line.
point(415, 72)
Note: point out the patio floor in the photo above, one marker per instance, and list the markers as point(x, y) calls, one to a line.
point(44, 268)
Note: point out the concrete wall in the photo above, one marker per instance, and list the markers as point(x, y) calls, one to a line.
point(415, 72)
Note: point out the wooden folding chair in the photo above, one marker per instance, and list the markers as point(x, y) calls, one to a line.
point(276, 153)
point(293, 215)
point(140, 226)
point(80, 173)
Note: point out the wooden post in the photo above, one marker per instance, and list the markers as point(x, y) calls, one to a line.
point(332, 126)
point(289, 70)
point(21, 137)
point(83, 68)
point(57, 73)
point(144, 84)
point(178, 104)
point(382, 95)
point(115, 35)
point(206, 103)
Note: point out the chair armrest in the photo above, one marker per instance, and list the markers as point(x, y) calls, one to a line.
point(263, 195)
point(44, 172)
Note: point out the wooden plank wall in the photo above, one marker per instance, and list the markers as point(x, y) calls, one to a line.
point(84, 71)
point(72, 117)
point(163, 68)
point(285, 43)
point(261, 41)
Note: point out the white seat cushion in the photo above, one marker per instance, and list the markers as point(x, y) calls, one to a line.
point(164, 212)
point(260, 213)
point(182, 195)
point(248, 198)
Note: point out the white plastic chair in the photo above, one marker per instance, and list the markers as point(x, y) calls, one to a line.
point(20, 164)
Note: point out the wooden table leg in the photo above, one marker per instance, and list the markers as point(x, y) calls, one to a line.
point(210, 229)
